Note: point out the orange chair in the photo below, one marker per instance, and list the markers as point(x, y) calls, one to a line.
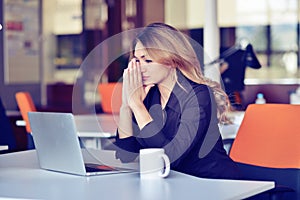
point(111, 96)
point(267, 147)
point(25, 104)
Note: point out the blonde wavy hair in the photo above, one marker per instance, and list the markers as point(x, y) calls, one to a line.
point(167, 45)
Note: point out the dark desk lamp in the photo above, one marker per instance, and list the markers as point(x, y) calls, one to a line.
point(250, 57)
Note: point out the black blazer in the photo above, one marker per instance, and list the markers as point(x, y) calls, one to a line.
point(187, 128)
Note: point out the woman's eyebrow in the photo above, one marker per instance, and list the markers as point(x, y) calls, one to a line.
point(143, 57)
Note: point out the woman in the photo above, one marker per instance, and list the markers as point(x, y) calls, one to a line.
point(168, 103)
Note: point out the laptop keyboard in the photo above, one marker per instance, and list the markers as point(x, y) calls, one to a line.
point(96, 168)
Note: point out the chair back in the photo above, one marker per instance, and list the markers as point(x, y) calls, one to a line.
point(269, 136)
point(110, 96)
point(25, 104)
point(267, 143)
point(7, 136)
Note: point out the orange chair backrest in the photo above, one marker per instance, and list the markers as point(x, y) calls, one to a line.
point(111, 96)
point(25, 104)
point(269, 136)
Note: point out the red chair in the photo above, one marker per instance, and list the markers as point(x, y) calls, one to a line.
point(26, 104)
point(110, 96)
point(267, 147)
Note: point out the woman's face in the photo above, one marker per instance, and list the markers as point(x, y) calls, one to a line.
point(152, 72)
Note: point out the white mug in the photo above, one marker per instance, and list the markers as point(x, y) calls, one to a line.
point(154, 163)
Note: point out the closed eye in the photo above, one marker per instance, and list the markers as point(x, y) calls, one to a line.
point(148, 61)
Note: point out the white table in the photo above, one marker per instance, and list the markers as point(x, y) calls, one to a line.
point(94, 128)
point(3, 147)
point(20, 177)
point(229, 131)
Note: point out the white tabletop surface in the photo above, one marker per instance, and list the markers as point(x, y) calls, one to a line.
point(20, 177)
point(92, 125)
point(92, 128)
point(3, 147)
point(105, 125)
point(90, 122)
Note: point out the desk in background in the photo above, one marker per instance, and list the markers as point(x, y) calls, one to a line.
point(229, 131)
point(93, 129)
point(20, 177)
point(3, 147)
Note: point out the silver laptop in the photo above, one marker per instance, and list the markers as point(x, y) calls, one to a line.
point(58, 147)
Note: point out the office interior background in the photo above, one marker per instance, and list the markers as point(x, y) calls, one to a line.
point(43, 44)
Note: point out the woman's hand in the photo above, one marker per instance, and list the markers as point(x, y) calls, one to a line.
point(133, 95)
point(133, 89)
point(136, 90)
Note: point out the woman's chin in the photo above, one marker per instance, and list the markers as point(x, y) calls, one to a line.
point(145, 83)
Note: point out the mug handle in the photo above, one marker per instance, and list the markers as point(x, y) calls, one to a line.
point(167, 166)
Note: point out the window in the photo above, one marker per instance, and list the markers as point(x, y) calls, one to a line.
point(273, 35)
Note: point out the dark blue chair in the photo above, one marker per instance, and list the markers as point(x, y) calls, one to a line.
point(6, 132)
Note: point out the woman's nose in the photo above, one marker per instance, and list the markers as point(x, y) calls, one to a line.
point(143, 68)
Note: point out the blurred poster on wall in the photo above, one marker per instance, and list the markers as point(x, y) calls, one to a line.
point(21, 41)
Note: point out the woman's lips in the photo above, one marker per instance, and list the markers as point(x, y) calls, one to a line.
point(145, 78)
